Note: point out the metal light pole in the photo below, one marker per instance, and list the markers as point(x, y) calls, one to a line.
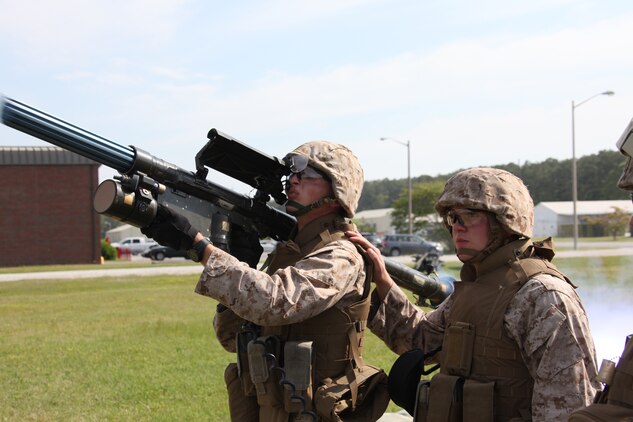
point(574, 173)
point(410, 211)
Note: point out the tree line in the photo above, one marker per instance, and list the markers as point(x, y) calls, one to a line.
point(550, 180)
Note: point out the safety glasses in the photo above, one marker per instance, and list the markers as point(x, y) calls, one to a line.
point(298, 165)
point(466, 218)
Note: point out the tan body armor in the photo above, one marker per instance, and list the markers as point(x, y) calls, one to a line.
point(615, 402)
point(482, 372)
point(324, 347)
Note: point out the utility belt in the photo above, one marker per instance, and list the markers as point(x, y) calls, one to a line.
point(281, 376)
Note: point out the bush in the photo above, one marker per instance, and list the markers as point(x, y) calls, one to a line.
point(108, 252)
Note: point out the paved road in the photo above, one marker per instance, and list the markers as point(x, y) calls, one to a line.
point(608, 249)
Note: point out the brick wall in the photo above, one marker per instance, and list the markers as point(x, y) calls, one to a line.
point(46, 216)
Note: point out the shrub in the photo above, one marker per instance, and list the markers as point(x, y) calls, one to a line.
point(108, 252)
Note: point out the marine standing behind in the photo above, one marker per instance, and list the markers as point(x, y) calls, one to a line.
point(514, 336)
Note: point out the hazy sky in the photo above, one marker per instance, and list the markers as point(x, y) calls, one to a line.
point(468, 83)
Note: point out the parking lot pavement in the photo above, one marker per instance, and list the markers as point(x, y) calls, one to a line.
point(197, 269)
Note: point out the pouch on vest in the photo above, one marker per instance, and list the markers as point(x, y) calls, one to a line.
point(242, 408)
point(263, 356)
point(334, 399)
point(298, 376)
point(445, 399)
point(247, 333)
point(478, 401)
point(458, 349)
point(422, 401)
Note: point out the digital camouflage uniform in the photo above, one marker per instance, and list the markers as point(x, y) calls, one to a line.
point(543, 320)
point(331, 276)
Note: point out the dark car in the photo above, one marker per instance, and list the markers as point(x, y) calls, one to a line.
point(160, 252)
point(408, 244)
point(374, 239)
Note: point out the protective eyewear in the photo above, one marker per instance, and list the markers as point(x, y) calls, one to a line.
point(466, 218)
point(297, 163)
point(308, 173)
point(299, 167)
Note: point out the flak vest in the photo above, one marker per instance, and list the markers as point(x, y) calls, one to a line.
point(615, 401)
point(482, 375)
point(330, 344)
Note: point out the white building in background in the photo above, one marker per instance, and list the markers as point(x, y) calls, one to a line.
point(555, 218)
point(379, 218)
point(121, 232)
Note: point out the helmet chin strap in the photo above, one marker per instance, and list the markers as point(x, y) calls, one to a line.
point(301, 209)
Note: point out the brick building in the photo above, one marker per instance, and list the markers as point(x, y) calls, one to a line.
point(46, 216)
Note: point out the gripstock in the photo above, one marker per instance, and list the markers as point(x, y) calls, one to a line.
point(134, 194)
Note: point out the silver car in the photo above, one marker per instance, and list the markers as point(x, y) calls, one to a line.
point(407, 244)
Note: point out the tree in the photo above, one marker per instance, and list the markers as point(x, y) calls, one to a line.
point(424, 196)
point(549, 180)
point(614, 223)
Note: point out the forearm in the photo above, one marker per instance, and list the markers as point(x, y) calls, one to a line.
point(291, 294)
point(402, 325)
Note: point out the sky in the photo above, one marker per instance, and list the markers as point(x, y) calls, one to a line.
point(466, 83)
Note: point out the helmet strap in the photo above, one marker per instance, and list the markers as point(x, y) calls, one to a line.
point(303, 209)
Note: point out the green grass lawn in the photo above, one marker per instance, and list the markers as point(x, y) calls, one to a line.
point(141, 348)
point(115, 349)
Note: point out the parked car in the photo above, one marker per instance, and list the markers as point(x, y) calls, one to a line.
point(134, 245)
point(373, 238)
point(159, 252)
point(408, 244)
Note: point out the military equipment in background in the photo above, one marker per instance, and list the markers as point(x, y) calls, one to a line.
point(133, 196)
point(430, 287)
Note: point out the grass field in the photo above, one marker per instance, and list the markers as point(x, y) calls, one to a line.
point(138, 349)
point(115, 349)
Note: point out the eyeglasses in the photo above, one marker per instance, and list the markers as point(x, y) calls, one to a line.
point(299, 167)
point(466, 218)
point(297, 163)
point(308, 173)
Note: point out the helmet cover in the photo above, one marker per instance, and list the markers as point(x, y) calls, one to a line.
point(342, 167)
point(493, 190)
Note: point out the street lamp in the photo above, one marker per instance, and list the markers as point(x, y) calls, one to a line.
point(408, 145)
point(574, 177)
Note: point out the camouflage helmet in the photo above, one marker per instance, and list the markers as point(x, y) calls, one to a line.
point(342, 167)
point(493, 190)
